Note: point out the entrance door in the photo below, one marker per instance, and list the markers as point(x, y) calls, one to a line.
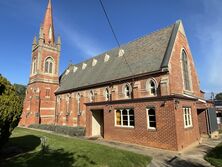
point(97, 123)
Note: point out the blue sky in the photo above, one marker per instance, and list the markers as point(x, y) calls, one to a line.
point(85, 32)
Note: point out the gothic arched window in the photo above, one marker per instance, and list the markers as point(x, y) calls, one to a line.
point(49, 65)
point(106, 94)
point(127, 90)
point(151, 87)
point(186, 78)
point(91, 96)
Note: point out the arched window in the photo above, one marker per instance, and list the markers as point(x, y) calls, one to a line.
point(34, 66)
point(127, 90)
point(186, 78)
point(49, 65)
point(91, 96)
point(78, 103)
point(106, 94)
point(151, 87)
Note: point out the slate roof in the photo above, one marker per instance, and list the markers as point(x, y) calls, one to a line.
point(144, 55)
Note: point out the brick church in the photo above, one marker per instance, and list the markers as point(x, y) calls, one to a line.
point(147, 92)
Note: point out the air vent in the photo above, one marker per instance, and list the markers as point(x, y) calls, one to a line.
point(67, 71)
point(75, 69)
point(84, 65)
point(94, 62)
point(121, 52)
point(106, 58)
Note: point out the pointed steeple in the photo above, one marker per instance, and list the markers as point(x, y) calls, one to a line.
point(48, 28)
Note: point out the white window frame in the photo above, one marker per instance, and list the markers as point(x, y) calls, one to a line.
point(125, 91)
point(91, 96)
point(78, 98)
point(187, 117)
point(128, 118)
point(189, 70)
point(148, 121)
point(149, 87)
point(49, 60)
point(107, 94)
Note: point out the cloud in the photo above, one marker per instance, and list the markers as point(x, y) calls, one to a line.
point(209, 32)
point(88, 45)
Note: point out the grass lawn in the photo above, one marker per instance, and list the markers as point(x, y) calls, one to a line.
point(65, 152)
point(215, 156)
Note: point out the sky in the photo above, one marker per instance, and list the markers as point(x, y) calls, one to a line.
point(85, 32)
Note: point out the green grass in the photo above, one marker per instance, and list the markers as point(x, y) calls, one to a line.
point(215, 156)
point(65, 152)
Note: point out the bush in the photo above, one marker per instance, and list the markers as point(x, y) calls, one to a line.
point(10, 109)
point(66, 130)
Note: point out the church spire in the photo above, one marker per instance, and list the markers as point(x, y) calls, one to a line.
point(48, 29)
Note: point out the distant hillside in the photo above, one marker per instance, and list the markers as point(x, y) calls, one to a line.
point(20, 89)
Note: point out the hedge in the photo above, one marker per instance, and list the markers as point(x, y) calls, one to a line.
point(66, 130)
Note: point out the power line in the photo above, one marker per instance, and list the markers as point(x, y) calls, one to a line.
point(111, 27)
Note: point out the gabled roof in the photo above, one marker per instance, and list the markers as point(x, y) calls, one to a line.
point(147, 54)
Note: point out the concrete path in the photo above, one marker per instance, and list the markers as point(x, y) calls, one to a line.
point(192, 157)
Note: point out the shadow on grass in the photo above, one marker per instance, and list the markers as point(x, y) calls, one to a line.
point(18, 145)
point(55, 158)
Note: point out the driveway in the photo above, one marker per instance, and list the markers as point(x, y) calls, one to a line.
point(192, 157)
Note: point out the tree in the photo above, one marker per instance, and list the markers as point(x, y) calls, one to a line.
point(218, 96)
point(10, 109)
point(20, 89)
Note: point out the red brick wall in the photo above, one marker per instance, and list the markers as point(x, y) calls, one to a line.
point(176, 77)
point(163, 137)
point(139, 91)
point(40, 101)
point(186, 136)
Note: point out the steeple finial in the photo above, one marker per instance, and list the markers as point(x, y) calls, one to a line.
point(50, 3)
point(48, 28)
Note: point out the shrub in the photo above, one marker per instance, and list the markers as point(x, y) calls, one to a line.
point(66, 130)
point(10, 109)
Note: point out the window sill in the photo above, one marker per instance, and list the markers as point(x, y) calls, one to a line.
point(152, 129)
point(188, 128)
point(188, 92)
point(124, 127)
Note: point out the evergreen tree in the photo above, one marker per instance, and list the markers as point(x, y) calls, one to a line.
point(20, 89)
point(218, 96)
point(10, 109)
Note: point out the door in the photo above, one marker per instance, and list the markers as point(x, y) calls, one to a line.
point(97, 123)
